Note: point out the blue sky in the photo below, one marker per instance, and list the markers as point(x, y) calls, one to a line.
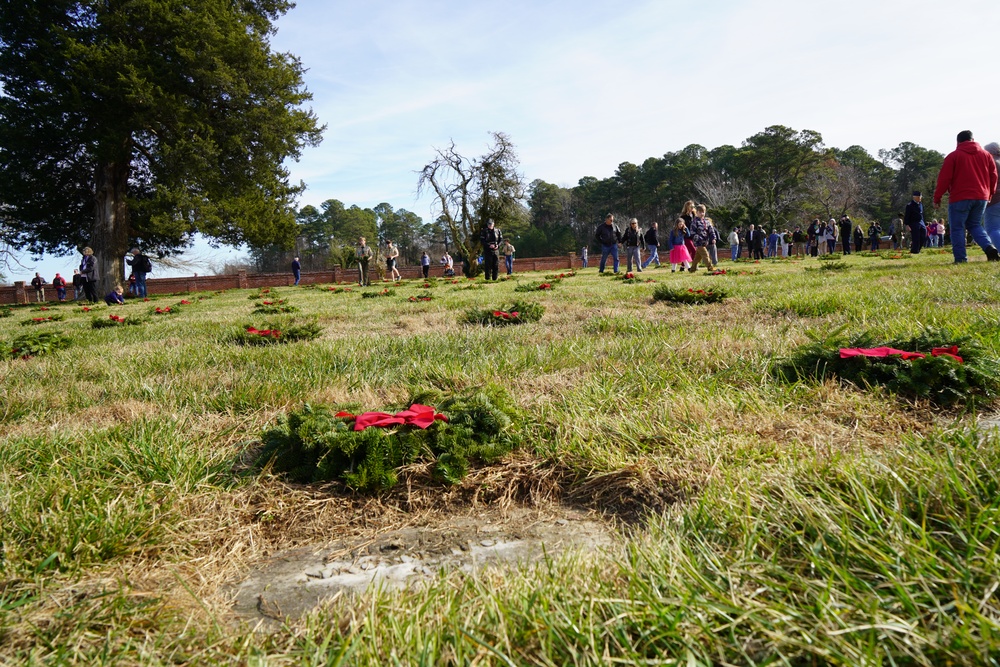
point(581, 86)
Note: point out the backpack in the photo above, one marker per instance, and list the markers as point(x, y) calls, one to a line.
point(144, 264)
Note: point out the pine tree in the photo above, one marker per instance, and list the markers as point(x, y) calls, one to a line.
point(141, 122)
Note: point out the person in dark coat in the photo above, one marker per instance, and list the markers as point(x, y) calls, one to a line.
point(609, 237)
point(491, 238)
point(652, 245)
point(845, 233)
point(913, 217)
point(88, 267)
point(859, 239)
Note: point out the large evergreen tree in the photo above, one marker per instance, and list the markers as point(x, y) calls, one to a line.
point(127, 122)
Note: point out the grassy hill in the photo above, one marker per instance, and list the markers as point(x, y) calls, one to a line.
point(760, 517)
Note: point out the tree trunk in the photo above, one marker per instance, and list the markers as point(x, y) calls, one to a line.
point(109, 238)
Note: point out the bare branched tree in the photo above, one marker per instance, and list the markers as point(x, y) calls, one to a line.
point(721, 191)
point(469, 192)
point(837, 189)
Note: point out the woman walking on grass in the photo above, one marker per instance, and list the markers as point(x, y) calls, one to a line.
point(687, 214)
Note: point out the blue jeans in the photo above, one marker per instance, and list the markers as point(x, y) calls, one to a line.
point(140, 284)
point(508, 261)
point(654, 256)
point(609, 250)
point(632, 253)
point(993, 223)
point(962, 215)
point(298, 276)
point(735, 252)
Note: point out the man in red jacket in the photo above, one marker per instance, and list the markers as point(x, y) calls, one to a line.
point(969, 176)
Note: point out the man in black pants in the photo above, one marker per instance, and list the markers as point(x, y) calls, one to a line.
point(846, 227)
point(914, 219)
point(491, 239)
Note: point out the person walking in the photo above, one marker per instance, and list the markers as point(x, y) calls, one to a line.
point(700, 236)
point(734, 244)
point(632, 239)
point(875, 235)
point(391, 255)
point(992, 216)
point(609, 237)
point(913, 217)
point(583, 256)
point(88, 268)
point(141, 265)
point(969, 176)
point(363, 255)
point(296, 270)
point(78, 282)
point(425, 265)
point(687, 214)
point(679, 254)
point(713, 242)
point(508, 256)
point(652, 239)
point(39, 284)
point(491, 239)
point(59, 283)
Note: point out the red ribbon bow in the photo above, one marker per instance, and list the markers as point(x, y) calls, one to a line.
point(273, 333)
point(421, 416)
point(848, 352)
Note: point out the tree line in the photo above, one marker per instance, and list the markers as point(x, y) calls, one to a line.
point(141, 124)
point(776, 178)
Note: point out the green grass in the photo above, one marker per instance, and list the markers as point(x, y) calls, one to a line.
point(825, 523)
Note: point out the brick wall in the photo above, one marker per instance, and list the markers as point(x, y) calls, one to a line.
point(22, 292)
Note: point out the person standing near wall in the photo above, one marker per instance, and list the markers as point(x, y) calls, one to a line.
point(141, 265)
point(363, 254)
point(60, 284)
point(491, 239)
point(508, 257)
point(296, 270)
point(39, 284)
point(913, 217)
point(88, 268)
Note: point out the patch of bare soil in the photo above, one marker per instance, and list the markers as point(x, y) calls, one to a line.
point(292, 582)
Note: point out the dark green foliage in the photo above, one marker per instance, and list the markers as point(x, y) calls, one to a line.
point(688, 295)
point(542, 286)
point(312, 444)
point(372, 295)
point(274, 309)
point(108, 323)
point(519, 312)
point(35, 344)
point(276, 333)
point(180, 112)
point(834, 266)
point(42, 320)
point(6, 312)
point(939, 379)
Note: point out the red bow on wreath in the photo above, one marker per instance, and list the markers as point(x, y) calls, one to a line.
point(421, 416)
point(848, 352)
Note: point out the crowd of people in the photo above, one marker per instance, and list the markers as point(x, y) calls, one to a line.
point(968, 175)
